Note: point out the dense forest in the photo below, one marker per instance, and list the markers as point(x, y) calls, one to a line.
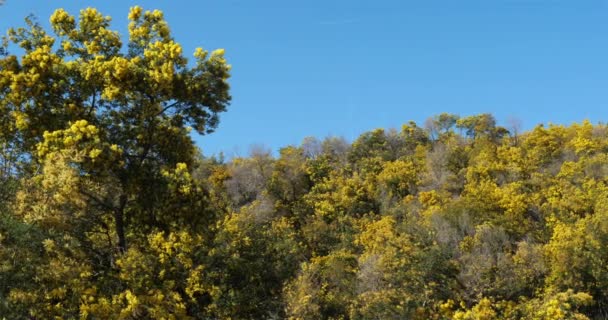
point(109, 211)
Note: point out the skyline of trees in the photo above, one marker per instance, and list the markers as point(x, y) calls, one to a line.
point(109, 211)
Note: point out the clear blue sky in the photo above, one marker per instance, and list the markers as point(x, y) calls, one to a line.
point(318, 68)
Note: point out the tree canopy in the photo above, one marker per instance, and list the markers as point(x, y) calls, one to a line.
point(109, 211)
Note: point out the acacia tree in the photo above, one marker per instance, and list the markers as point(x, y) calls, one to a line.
point(118, 114)
point(99, 132)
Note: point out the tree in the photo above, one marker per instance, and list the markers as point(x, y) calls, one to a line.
point(248, 177)
point(99, 132)
point(483, 125)
point(119, 117)
point(441, 124)
point(324, 287)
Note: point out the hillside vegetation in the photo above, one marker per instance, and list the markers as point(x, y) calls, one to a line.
point(108, 210)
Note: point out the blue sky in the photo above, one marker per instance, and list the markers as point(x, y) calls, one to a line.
point(319, 68)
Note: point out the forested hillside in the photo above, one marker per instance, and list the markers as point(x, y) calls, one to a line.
point(109, 211)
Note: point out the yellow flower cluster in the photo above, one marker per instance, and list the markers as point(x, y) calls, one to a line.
point(135, 13)
point(40, 59)
point(163, 57)
point(156, 14)
point(159, 51)
point(120, 67)
point(179, 178)
point(93, 28)
point(399, 177)
point(59, 16)
point(195, 285)
point(584, 142)
point(62, 22)
point(21, 121)
point(92, 47)
point(143, 30)
point(217, 60)
point(218, 53)
point(92, 17)
point(200, 53)
point(60, 139)
point(175, 246)
point(92, 68)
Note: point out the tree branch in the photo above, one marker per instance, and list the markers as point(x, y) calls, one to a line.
point(167, 108)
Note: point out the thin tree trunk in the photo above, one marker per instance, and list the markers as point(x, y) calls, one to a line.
point(120, 224)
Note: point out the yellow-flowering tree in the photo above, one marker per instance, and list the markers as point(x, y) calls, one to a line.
point(125, 114)
point(102, 128)
point(108, 212)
